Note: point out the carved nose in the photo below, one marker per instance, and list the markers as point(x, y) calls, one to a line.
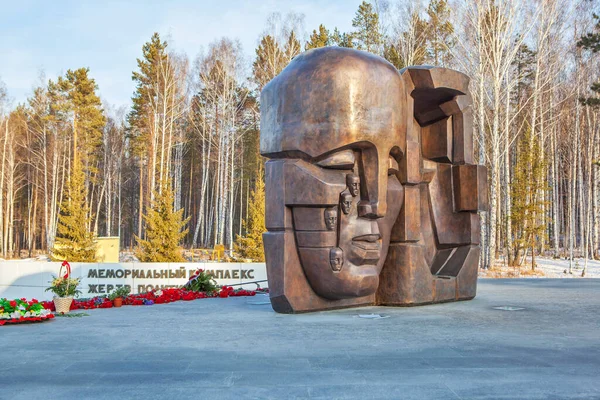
point(373, 184)
point(369, 210)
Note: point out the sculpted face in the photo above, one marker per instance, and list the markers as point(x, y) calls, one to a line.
point(335, 117)
point(353, 183)
point(331, 218)
point(345, 202)
point(336, 259)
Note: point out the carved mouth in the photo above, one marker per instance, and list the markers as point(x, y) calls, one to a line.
point(372, 237)
point(366, 249)
point(367, 245)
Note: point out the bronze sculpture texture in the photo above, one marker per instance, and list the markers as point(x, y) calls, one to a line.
point(371, 189)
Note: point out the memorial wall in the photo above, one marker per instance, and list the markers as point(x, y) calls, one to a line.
point(30, 279)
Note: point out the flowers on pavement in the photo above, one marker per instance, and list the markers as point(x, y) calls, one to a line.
point(200, 286)
point(20, 310)
point(161, 296)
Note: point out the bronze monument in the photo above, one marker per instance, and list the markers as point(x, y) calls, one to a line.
point(371, 191)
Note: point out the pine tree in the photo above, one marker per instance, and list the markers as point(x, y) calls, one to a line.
point(525, 67)
point(342, 39)
point(140, 122)
point(141, 119)
point(391, 54)
point(270, 61)
point(367, 34)
point(88, 117)
point(272, 58)
point(292, 48)
point(74, 242)
point(318, 39)
point(251, 246)
point(164, 229)
point(591, 41)
point(76, 100)
point(440, 32)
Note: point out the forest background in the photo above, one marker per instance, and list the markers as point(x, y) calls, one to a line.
point(182, 160)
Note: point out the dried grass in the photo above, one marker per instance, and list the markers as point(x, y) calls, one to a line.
point(499, 271)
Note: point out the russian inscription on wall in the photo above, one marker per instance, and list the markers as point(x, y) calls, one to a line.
point(157, 274)
point(30, 279)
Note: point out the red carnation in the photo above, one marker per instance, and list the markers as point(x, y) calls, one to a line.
point(13, 303)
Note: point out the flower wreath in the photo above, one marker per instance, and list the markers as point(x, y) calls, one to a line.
point(20, 310)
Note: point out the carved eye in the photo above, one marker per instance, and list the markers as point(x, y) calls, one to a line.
point(393, 166)
point(340, 160)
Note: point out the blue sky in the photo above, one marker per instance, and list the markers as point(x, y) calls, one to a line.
point(107, 36)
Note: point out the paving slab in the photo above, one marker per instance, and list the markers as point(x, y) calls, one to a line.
point(237, 348)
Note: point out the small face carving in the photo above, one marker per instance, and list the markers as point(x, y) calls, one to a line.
point(336, 259)
point(345, 202)
point(353, 183)
point(330, 218)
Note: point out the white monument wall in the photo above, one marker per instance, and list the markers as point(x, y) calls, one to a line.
point(30, 279)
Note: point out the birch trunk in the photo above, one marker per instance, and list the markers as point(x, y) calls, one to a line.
point(2, 174)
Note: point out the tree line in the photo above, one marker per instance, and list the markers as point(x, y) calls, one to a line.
point(189, 138)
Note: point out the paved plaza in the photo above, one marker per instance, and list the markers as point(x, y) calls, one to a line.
point(238, 348)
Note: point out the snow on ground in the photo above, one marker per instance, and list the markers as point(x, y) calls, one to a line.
point(31, 259)
point(546, 267)
point(554, 268)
